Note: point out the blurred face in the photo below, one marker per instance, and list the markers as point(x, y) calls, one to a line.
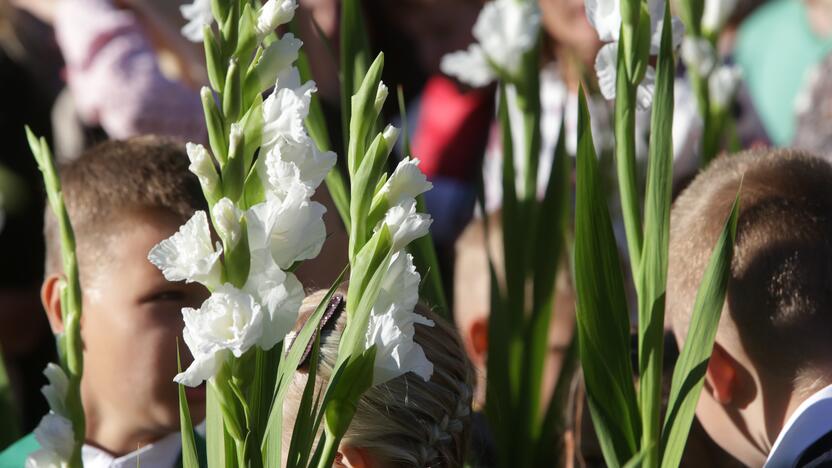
point(130, 325)
point(566, 23)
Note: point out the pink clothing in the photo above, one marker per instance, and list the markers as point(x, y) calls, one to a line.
point(114, 76)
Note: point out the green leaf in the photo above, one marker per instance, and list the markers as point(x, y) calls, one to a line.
point(602, 317)
point(189, 458)
point(653, 266)
point(355, 55)
point(213, 59)
point(303, 433)
point(363, 113)
point(361, 196)
point(216, 128)
point(248, 35)
point(689, 373)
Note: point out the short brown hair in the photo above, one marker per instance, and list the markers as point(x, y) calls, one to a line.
point(113, 177)
point(779, 301)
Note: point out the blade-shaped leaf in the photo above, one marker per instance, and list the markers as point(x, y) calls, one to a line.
point(189, 458)
point(653, 267)
point(689, 373)
point(602, 317)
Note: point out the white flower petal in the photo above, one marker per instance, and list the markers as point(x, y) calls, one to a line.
point(507, 29)
point(405, 224)
point(278, 292)
point(198, 15)
point(605, 17)
point(468, 66)
point(312, 164)
point(698, 54)
point(54, 433)
point(406, 182)
point(55, 392)
point(188, 255)
point(273, 14)
point(644, 92)
point(227, 218)
point(722, 85)
point(278, 56)
point(605, 68)
point(284, 112)
point(391, 323)
point(715, 13)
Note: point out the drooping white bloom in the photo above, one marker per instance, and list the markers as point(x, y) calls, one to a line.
point(285, 109)
point(280, 294)
point(278, 56)
point(405, 223)
point(227, 221)
point(55, 391)
point(198, 15)
point(722, 84)
point(55, 436)
point(291, 227)
point(228, 321)
point(274, 13)
point(698, 54)
point(406, 182)
point(391, 323)
point(202, 165)
point(505, 30)
point(605, 67)
point(715, 13)
point(188, 255)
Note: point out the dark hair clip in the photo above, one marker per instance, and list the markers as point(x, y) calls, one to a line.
point(330, 317)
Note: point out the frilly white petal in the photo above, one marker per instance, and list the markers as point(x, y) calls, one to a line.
point(54, 434)
point(605, 68)
point(198, 14)
point(722, 84)
point(188, 255)
point(312, 164)
point(277, 57)
point(55, 392)
point(273, 14)
point(407, 181)
point(279, 293)
point(715, 13)
point(698, 54)
point(468, 66)
point(605, 17)
point(391, 323)
point(291, 227)
point(405, 224)
point(284, 111)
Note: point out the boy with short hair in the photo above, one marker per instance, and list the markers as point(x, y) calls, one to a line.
point(767, 398)
point(123, 198)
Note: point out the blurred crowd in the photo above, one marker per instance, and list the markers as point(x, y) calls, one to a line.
point(83, 71)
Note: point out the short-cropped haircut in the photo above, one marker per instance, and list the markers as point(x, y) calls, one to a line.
point(779, 297)
point(114, 177)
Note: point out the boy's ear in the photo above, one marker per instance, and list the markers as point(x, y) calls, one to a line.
point(352, 457)
point(722, 375)
point(50, 296)
point(476, 340)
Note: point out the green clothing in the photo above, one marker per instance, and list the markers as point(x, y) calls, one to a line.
point(776, 48)
point(15, 455)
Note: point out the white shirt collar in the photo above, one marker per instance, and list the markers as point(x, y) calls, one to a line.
point(810, 421)
point(161, 454)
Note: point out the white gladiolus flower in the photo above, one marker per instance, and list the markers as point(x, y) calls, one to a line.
point(54, 434)
point(198, 15)
point(605, 67)
point(505, 30)
point(278, 56)
point(228, 321)
point(274, 13)
point(55, 391)
point(279, 293)
point(605, 17)
point(405, 224)
point(202, 165)
point(715, 13)
point(391, 323)
point(312, 164)
point(284, 112)
point(698, 54)
point(227, 219)
point(291, 228)
point(188, 255)
point(722, 84)
point(407, 182)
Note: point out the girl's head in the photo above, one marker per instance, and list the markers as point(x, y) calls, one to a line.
point(406, 421)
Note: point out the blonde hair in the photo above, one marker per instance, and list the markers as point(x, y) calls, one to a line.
point(406, 421)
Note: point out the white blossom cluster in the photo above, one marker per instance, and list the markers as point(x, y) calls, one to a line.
point(54, 432)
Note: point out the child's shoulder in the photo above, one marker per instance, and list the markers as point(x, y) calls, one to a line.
point(14, 456)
